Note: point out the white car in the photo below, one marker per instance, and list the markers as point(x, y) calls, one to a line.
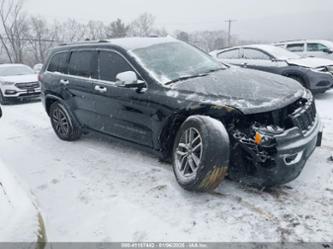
point(17, 81)
point(20, 218)
point(312, 48)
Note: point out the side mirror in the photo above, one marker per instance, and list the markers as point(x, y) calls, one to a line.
point(126, 78)
point(129, 79)
point(327, 50)
point(0, 112)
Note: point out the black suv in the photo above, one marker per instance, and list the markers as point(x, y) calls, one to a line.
point(210, 120)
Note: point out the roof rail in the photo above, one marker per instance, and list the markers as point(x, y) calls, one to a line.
point(84, 42)
point(294, 40)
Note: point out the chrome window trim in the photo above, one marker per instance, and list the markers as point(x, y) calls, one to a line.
point(93, 80)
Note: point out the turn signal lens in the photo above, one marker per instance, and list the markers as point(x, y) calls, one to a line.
point(258, 138)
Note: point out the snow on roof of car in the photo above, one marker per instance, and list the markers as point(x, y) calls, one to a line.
point(132, 43)
point(324, 42)
point(12, 65)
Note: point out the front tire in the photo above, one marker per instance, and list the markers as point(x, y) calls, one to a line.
point(64, 125)
point(3, 100)
point(201, 154)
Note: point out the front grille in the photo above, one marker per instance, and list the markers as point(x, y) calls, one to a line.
point(305, 116)
point(27, 86)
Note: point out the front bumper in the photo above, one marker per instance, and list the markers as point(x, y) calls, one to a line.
point(12, 92)
point(293, 150)
point(320, 82)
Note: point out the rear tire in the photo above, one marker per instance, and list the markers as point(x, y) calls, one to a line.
point(201, 154)
point(64, 125)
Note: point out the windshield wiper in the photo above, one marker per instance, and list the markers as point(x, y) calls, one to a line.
point(215, 70)
point(185, 78)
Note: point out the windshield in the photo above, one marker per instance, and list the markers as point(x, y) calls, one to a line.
point(281, 53)
point(15, 70)
point(173, 60)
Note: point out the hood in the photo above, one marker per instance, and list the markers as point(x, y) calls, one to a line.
point(248, 90)
point(20, 78)
point(310, 62)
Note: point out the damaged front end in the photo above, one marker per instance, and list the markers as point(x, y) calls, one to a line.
point(271, 148)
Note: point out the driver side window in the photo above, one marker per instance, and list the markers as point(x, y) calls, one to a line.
point(316, 47)
point(111, 64)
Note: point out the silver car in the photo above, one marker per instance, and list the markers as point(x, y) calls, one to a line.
point(17, 81)
point(315, 74)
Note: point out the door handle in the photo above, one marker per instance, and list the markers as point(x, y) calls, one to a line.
point(101, 89)
point(64, 82)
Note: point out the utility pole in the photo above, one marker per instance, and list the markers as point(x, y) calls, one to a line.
point(229, 21)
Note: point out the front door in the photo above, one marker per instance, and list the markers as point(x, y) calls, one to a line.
point(257, 59)
point(121, 112)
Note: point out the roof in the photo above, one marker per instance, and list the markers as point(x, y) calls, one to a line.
point(325, 42)
point(258, 46)
point(12, 65)
point(129, 43)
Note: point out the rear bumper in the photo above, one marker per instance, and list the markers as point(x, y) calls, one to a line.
point(293, 150)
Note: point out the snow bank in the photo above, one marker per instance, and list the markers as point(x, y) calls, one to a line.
point(19, 217)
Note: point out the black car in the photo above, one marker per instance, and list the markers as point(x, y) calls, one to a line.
point(210, 120)
point(315, 74)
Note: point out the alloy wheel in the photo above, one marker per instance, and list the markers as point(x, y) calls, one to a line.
point(188, 153)
point(60, 122)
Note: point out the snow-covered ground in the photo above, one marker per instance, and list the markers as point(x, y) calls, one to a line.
point(97, 189)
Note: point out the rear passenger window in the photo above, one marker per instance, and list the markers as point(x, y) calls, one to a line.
point(83, 63)
point(111, 64)
point(58, 63)
point(231, 54)
point(299, 47)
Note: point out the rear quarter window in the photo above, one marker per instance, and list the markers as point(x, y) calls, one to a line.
point(58, 63)
point(230, 54)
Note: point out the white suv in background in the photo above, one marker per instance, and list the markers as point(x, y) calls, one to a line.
point(17, 81)
point(313, 48)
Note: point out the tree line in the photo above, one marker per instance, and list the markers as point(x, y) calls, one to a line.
point(27, 38)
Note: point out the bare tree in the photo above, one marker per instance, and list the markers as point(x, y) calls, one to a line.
point(208, 40)
point(117, 29)
point(71, 31)
point(143, 25)
point(13, 31)
point(96, 30)
point(41, 38)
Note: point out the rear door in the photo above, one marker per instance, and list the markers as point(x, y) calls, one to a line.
point(121, 112)
point(82, 68)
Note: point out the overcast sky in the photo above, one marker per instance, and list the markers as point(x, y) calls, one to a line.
point(189, 15)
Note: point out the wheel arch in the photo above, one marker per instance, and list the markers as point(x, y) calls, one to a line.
point(167, 136)
point(50, 99)
point(299, 74)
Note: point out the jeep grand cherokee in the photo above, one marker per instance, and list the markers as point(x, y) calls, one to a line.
point(210, 120)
